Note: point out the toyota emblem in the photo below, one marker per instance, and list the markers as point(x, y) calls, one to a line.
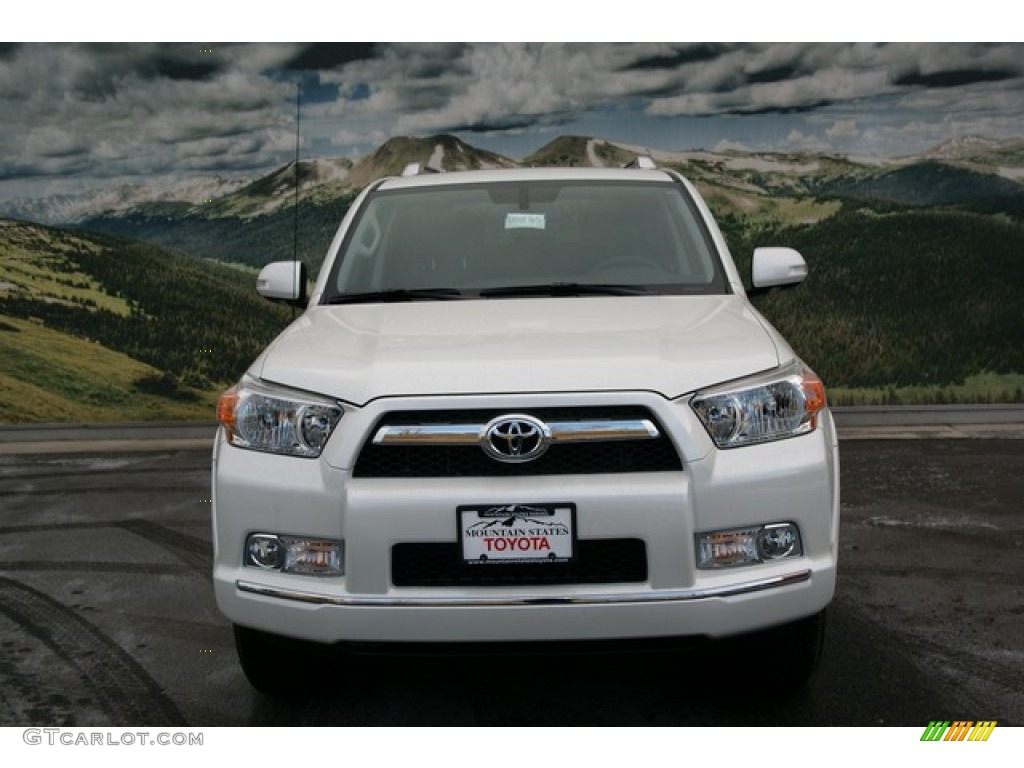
point(515, 438)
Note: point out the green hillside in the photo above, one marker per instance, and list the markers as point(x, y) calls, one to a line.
point(254, 241)
point(99, 328)
point(394, 155)
point(572, 151)
point(49, 377)
point(927, 183)
point(905, 298)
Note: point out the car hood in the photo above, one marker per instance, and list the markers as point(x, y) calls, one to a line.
point(667, 344)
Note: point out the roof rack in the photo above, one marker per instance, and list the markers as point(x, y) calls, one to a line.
point(642, 161)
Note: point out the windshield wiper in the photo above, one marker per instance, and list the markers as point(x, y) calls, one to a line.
point(398, 294)
point(566, 289)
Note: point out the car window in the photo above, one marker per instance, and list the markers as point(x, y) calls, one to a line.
point(480, 237)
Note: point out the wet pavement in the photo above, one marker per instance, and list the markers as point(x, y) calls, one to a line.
point(107, 614)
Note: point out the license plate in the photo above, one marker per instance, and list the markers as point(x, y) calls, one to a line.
point(517, 533)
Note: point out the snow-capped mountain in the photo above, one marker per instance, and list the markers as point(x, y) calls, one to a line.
point(322, 180)
point(74, 208)
point(961, 147)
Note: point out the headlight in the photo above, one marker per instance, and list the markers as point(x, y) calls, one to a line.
point(772, 406)
point(277, 420)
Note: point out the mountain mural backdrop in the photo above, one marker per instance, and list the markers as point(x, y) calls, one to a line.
point(132, 303)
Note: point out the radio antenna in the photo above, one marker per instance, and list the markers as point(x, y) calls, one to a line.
point(298, 123)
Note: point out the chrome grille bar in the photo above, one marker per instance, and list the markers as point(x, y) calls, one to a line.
point(561, 432)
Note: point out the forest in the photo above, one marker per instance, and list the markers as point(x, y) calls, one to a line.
point(900, 298)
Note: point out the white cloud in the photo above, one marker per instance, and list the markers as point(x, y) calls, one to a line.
point(726, 145)
point(800, 142)
point(344, 138)
point(117, 110)
point(842, 130)
point(134, 109)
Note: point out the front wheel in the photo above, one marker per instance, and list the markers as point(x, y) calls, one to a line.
point(279, 666)
point(791, 652)
point(781, 659)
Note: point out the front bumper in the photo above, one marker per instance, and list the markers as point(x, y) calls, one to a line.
point(793, 480)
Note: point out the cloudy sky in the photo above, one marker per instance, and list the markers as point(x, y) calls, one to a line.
point(76, 115)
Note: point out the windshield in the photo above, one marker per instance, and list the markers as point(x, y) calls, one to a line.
point(515, 238)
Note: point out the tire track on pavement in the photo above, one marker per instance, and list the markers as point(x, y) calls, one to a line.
point(91, 566)
point(119, 683)
point(197, 553)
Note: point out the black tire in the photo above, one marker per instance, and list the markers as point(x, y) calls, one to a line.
point(280, 666)
point(794, 648)
point(780, 660)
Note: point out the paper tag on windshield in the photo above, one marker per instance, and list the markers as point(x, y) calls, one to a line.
point(524, 221)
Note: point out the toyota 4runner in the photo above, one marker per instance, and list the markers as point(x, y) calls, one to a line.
point(525, 405)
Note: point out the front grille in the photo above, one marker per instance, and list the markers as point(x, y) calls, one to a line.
point(596, 561)
point(589, 458)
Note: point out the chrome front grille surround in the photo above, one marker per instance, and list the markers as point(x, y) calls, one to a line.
point(544, 441)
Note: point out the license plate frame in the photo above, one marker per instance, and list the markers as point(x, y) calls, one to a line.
point(492, 534)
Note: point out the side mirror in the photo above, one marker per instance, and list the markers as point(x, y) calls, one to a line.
point(776, 268)
point(283, 281)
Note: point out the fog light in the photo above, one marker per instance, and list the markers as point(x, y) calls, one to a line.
point(779, 540)
point(747, 546)
point(265, 551)
point(292, 554)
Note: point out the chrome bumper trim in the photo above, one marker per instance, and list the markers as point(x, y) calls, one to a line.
point(606, 598)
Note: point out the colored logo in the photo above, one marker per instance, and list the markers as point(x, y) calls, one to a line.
point(959, 730)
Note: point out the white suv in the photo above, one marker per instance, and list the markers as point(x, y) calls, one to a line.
point(525, 405)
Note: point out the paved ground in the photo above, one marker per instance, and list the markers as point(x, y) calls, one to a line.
point(107, 615)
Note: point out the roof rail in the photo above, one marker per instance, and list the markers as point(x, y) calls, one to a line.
point(418, 169)
point(642, 161)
